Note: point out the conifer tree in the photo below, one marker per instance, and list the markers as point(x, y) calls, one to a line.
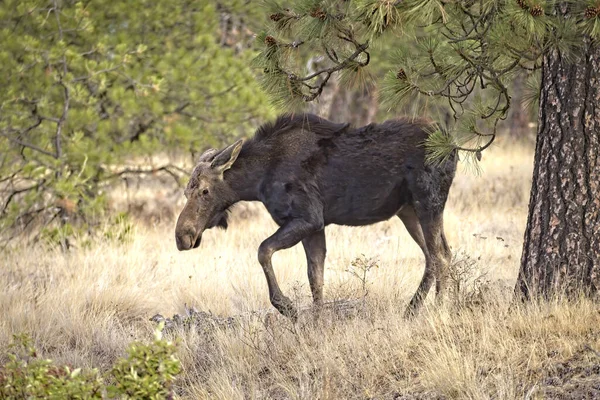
point(90, 88)
point(466, 52)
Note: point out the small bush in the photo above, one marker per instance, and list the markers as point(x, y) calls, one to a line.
point(28, 376)
point(148, 372)
point(120, 230)
point(360, 268)
point(468, 284)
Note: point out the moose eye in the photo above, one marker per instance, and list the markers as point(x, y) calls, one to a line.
point(204, 192)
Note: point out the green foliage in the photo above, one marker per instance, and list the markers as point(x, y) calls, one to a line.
point(439, 146)
point(464, 52)
point(289, 40)
point(147, 372)
point(26, 376)
point(376, 16)
point(90, 86)
point(120, 230)
point(531, 97)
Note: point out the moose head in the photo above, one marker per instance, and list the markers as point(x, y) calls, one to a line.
point(208, 196)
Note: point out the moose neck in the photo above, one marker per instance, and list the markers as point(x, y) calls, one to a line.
point(245, 175)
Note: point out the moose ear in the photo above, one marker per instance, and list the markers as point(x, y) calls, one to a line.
point(225, 158)
point(208, 155)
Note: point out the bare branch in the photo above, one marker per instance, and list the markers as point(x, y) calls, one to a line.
point(17, 192)
point(56, 11)
point(169, 169)
point(99, 72)
point(61, 121)
point(28, 145)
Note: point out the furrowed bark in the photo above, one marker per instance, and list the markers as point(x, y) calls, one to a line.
point(561, 251)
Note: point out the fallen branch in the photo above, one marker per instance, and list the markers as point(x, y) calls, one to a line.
point(202, 320)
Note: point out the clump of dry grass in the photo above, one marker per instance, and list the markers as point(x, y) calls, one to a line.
point(84, 307)
point(442, 354)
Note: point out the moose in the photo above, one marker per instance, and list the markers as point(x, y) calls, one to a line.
point(310, 172)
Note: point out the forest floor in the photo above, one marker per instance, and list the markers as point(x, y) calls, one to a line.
point(84, 307)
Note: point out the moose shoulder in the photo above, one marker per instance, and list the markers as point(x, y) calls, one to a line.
point(309, 173)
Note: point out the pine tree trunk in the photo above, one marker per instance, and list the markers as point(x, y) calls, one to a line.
point(561, 251)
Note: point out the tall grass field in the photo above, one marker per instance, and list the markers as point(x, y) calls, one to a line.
point(84, 307)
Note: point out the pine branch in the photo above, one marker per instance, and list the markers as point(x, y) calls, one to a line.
point(16, 192)
point(62, 119)
point(28, 145)
point(168, 169)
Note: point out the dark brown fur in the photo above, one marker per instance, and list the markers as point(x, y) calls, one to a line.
point(309, 173)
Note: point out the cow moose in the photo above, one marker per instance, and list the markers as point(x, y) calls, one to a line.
point(310, 172)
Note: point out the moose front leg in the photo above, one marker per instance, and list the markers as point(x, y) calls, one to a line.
point(316, 249)
point(286, 236)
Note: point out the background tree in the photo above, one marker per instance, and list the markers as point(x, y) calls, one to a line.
point(92, 90)
point(466, 52)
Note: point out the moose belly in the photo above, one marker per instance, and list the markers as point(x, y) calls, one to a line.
point(375, 203)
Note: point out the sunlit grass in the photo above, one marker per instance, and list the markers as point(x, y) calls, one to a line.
point(84, 307)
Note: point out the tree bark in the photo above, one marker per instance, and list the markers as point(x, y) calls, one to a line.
point(561, 251)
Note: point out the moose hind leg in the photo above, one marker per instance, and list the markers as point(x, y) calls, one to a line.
point(413, 226)
point(447, 250)
point(432, 225)
point(429, 191)
point(286, 236)
point(442, 285)
point(315, 249)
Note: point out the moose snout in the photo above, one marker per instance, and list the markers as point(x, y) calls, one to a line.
point(187, 240)
point(183, 242)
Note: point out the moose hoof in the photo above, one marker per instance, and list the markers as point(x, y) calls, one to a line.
point(440, 299)
point(285, 307)
point(317, 315)
point(412, 309)
point(410, 313)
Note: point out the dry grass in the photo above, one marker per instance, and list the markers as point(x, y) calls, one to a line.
point(84, 307)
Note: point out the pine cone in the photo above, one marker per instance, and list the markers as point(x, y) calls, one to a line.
point(318, 13)
point(270, 40)
point(536, 11)
point(592, 12)
point(276, 17)
point(401, 75)
point(523, 4)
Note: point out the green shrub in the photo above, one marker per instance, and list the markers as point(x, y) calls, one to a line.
point(120, 229)
point(148, 372)
point(27, 376)
point(92, 92)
